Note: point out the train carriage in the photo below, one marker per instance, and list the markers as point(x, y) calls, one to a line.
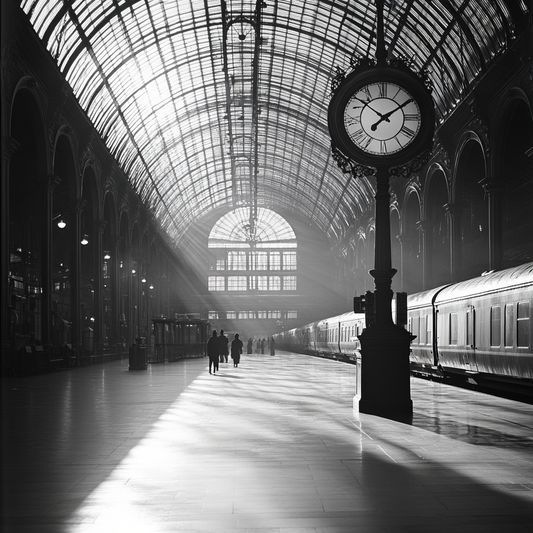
point(484, 325)
point(421, 323)
point(478, 330)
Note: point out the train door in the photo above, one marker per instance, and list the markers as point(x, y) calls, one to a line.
point(470, 328)
point(436, 336)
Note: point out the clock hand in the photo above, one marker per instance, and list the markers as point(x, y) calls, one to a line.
point(385, 117)
point(367, 103)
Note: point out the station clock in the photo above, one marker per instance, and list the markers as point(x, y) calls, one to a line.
point(381, 116)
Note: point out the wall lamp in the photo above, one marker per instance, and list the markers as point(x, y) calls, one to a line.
point(85, 240)
point(61, 223)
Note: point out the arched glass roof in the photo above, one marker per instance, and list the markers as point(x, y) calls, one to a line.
point(223, 104)
point(236, 230)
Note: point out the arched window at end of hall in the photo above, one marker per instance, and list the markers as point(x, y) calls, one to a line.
point(266, 246)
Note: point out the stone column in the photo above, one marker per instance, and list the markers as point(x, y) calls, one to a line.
point(494, 190)
point(115, 289)
point(75, 261)
point(9, 146)
point(422, 226)
point(453, 215)
point(48, 184)
point(99, 228)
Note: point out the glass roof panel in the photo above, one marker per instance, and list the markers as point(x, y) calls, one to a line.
point(211, 105)
point(270, 229)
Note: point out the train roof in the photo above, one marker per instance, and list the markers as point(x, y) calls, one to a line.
point(521, 276)
point(424, 298)
point(350, 315)
point(495, 281)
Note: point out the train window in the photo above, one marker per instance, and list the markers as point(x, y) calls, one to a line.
point(415, 328)
point(423, 329)
point(495, 325)
point(509, 325)
point(454, 329)
point(429, 337)
point(522, 330)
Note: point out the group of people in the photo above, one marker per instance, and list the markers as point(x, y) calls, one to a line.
point(260, 345)
point(219, 349)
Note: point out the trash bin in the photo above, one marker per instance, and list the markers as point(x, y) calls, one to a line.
point(138, 354)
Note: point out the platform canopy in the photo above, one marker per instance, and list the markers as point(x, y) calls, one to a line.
point(218, 105)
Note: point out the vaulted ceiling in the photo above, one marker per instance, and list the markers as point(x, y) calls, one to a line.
point(216, 105)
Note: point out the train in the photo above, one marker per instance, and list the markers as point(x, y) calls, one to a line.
point(477, 332)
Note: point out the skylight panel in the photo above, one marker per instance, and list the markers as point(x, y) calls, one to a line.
point(102, 111)
point(42, 14)
point(160, 65)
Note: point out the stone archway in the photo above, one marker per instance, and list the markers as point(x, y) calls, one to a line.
point(471, 240)
point(437, 239)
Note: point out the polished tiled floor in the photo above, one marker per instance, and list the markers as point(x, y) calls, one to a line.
point(273, 446)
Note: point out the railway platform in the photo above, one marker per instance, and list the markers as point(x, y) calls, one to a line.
point(273, 446)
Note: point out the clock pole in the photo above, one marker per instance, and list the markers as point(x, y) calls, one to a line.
point(383, 387)
point(375, 133)
point(385, 381)
point(383, 271)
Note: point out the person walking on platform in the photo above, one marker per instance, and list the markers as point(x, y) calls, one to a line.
point(258, 346)
point(213, 351)
point(263, 342)
point(272, 344)
point(223, 343)
point(249, 346)
point(236, 350)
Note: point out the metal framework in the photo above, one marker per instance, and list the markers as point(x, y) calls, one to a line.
point(210, 105)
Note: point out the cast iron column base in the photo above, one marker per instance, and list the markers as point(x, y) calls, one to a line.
point(383, 381)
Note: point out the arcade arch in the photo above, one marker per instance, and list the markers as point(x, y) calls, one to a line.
point(471, 242)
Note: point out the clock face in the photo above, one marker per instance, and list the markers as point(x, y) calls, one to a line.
point(382, 118)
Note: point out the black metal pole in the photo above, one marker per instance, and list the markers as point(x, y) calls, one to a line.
point(383, 376)
point(383, 271)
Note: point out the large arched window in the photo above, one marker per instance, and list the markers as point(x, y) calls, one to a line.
point(252, 257)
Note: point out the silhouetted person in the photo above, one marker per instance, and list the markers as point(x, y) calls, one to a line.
point(263, 342)
point(258, 346)
point(236, 350)
point(223, 342)
point(272, 346)
point(250, 346)
point(213, 351)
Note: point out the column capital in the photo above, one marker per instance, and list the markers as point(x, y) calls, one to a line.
point(47, 182)
point(453, 209)
point(100, 225)
point(79, 205)
point(422, 225)
point(492, 185)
